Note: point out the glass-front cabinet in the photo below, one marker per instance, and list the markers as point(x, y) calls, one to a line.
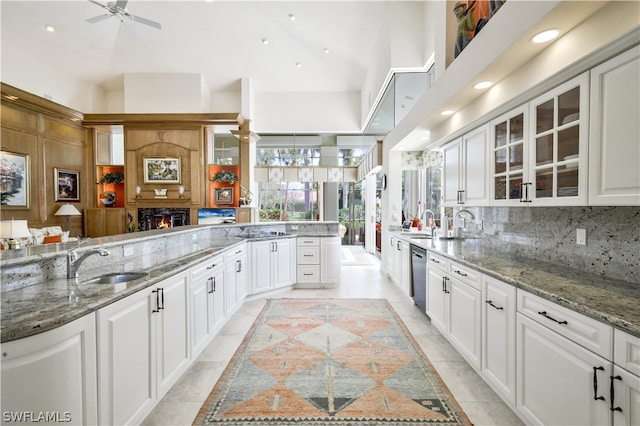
point(540, 149)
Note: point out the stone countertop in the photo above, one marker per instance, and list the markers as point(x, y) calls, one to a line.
point(37, 308)
point(613, 302)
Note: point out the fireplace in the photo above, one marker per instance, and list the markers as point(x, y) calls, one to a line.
point(159, 218)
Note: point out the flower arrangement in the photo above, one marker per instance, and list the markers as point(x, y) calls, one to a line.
point(225, 176)
point(112, 177)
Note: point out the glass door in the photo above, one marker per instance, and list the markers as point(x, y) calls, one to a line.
point(351, 211)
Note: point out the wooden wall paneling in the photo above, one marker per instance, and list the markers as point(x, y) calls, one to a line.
point(193, 189)
point(131, 178)
point(18, 118)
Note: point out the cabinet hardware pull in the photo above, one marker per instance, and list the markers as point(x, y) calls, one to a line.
point(157, 292)
point(161, 297)
point(239, 251)
point(544, 314)
point(595, 384)
point(398, 245)
point(526, 193)
point(213, 265)
point(434, 260)
point(275, 244)
point(612, 394)
point(306, 274)
point(211, 280)
point(461, 196)
point(214, 284)
point(307, 255)
point(444, 285)
point(457, 271)
point(490, 303)
point(308, 242)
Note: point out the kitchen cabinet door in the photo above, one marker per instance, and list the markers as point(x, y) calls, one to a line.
point(283, 263)
point(557, 380)
point(614, 151)
point(330, 260)
point(499, 336)
point(437, 302)
point(405, 260)
point(452, 171)
point(465, 180)
point(464, 320)
point(261, 265)
point(52, 372)
point(201, 303)
point(173, 332)
point(626, 397)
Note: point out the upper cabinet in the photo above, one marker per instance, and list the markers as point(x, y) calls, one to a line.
point(465, 173)
point(558, 145)
point(614, 154)
point(508, 157)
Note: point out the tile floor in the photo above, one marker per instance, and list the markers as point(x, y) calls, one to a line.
point(482, 405)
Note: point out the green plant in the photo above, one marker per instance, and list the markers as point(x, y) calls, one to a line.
point(225, 176)
point(112, 177)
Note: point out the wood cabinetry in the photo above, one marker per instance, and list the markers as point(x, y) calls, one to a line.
point(614, 151)
point(143, 349)
point(100, 222)
point(465, 173)
point(52, 372)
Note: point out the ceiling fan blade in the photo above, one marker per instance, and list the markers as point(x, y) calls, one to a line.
point(98, 18)
point(146, 21)
point(104, 6)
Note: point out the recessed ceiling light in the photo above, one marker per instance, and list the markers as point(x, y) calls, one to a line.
point(545, 36)
point(265, 41)
point(326, 50)
point(447, 112)
point(299, 64)
point(11, 97)
point(292, 16)
point(50, 28)
point(483, 85)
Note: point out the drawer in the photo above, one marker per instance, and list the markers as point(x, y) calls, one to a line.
point(585, 331)
point(308, 241)
point(205, 268)
point(308, 255)
point(465, 274)
point(235, 252)
point(437, 261)
point(308, 274)
point(626, 351)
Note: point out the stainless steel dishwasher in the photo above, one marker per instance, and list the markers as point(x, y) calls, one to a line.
point(419, 276)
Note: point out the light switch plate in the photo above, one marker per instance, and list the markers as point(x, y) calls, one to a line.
point(581, 237)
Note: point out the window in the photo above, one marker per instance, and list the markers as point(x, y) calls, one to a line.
point(288, 156)
point(350, 156)
point(287, 201)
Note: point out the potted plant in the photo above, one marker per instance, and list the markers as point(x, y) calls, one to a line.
point(225, 176)
point(112, 177)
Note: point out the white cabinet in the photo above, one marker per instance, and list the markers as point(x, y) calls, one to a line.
point(558, 146)
point(625, 399)
point(499, 337)
point(455, 307)
point(465, 172)
point(206, 302)
point(272, 264)
point(389, 256)
point(235, 278)
point(52, 372)
point(143, 343)
point(401, 274)
point(330, 260)
point(318, 261)
point(559, 381)
point(614, 151)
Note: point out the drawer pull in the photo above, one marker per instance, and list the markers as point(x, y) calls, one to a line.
point(457, 271)
point(307, 274)
point(307, 255)
point(612, 394)
point(435, 260)
point(213, 265)
point(544, 314)
point(595, 384)
point(308, 242)
point(490, 303)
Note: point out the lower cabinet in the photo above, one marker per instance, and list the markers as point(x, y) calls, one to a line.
point(318, 261)
point(625, 389)
point(143, 343)
point(330, 260)
point(499, 337)
point(53, 374)
point(206, 302)
point(272, 264)
point(559, 381)
point(235, 279)
point(100, 222)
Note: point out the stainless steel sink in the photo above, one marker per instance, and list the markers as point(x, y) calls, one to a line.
point(116, 278)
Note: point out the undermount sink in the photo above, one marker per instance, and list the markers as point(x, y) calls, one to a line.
point(420, 236)
point(116, 278)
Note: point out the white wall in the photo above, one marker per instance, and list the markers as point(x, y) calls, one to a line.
point(296, 112)
point(162, 92)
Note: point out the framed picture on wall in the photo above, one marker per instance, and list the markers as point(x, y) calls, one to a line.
point(14, 180)
point(223, 196)
point(161, 170)
point(67, 184)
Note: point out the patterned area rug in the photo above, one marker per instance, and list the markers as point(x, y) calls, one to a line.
point(330, 362)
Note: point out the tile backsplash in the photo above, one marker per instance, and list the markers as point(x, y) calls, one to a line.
point(549, 234)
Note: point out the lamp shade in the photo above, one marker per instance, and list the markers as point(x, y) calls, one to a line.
point(68, 210)
point(13, 229)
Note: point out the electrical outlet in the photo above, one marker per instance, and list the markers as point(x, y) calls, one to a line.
point(194, 237)
point(581, 237)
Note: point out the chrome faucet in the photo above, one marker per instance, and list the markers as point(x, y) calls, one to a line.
point(433, 220)
point(456, 227)
point(74, 261)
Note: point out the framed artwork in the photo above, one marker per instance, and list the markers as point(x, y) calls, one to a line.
point(67, 184)
point(161, 170)
point(14, 180)
point(223, 195)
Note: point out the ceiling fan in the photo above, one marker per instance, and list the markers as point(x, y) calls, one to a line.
point(118, 10)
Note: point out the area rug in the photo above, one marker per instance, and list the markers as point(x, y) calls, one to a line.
point(329, 362)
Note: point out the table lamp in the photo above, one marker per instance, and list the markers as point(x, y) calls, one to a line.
point(13, 230)
point(68, 210)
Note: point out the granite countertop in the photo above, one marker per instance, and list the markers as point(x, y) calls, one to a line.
point(37, 308)
point(613, 302)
